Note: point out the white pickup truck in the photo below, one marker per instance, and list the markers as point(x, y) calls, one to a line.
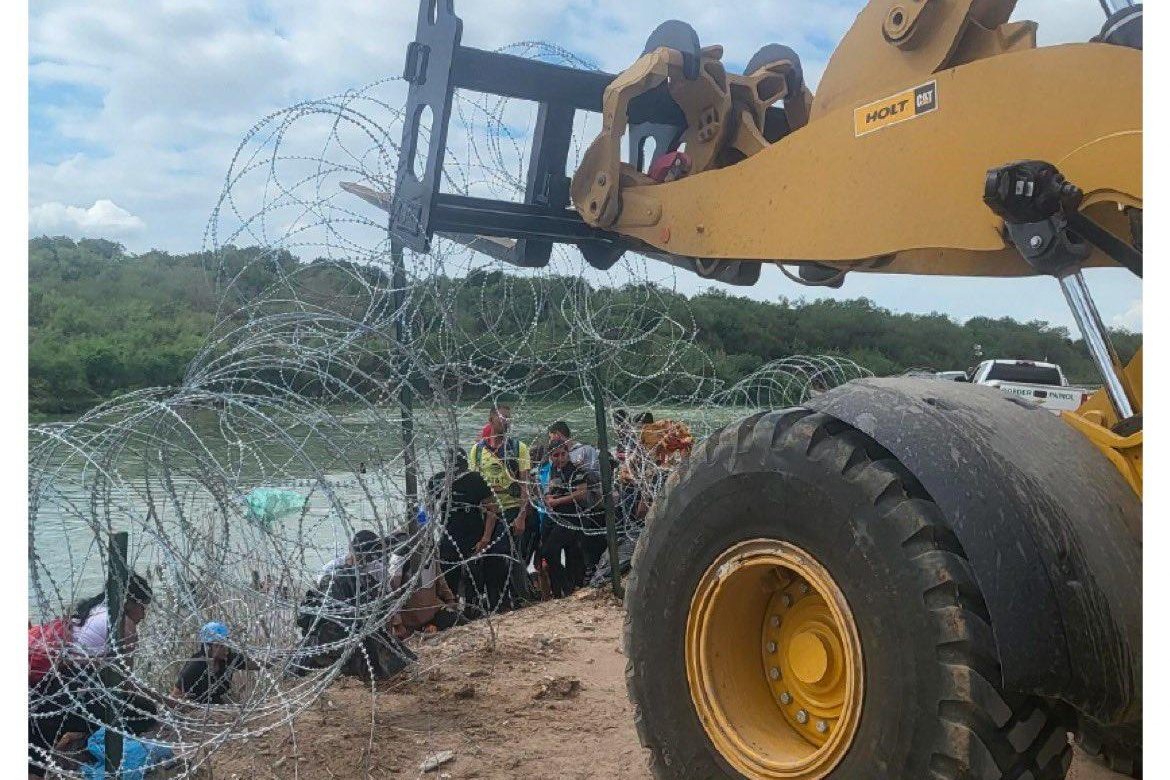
point(1041, 383)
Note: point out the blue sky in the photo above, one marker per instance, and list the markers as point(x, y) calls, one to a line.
point(135, 109)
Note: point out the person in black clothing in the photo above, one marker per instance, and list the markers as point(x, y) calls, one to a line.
point(351, 599)
point(574, 496)
point(633, 504)
point(594, 542)
point(471, 531)
point(207, 677)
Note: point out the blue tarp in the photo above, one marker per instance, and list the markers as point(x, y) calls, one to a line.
point(138, 757)
point(266, 505)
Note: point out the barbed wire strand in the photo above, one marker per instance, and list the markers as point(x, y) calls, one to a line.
point(296, 389)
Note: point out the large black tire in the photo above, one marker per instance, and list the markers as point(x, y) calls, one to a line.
point(1120, 749)
point(932, 705)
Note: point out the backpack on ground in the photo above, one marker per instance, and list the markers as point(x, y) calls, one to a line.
point(45, 643)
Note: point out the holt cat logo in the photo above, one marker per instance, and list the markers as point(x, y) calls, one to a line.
point(907, 104)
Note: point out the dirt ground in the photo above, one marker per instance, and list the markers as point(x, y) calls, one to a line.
point(548, 701)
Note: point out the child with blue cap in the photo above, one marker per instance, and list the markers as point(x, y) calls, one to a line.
point(207, 677)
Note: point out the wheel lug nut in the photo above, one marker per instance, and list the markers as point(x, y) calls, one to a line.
point(801, 717)
point(804, 588)
point(776, 619)
point(786, 698)
point(786, 600)
point(822, 727)
point(774, 673)
point(771, 647)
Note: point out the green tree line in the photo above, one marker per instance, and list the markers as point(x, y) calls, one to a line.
point(103, 322)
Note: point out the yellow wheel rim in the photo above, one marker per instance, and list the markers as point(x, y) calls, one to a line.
point(774, 662)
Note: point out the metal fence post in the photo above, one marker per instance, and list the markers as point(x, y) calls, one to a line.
point(117, 581)
point(607, 486)
point(405, 395)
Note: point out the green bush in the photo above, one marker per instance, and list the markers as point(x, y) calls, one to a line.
point(103, 322)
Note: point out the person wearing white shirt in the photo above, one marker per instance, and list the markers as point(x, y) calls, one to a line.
point(65, 704)
point(365, 553)
point(91, 622)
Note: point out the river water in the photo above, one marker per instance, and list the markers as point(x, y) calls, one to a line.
point(180, 491)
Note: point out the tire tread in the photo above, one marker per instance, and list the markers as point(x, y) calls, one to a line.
point(983, 733)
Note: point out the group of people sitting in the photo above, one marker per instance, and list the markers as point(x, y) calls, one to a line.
point(517, 524)
point(80, 678)
point(383, 589)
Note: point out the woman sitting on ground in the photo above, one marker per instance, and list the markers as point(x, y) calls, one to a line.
point(67, 697)
point(91, 624)
point(431, 605)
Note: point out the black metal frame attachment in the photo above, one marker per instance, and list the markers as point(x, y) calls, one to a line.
point(521, 233)
point(1040, 209)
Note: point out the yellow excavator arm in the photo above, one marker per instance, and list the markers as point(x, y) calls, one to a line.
point(896, 578)
point(940, 140)
point(901, 163)
point(917, 103)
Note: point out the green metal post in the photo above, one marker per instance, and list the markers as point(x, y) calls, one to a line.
point(117, 580)
point(607, 485)
point(405, 396)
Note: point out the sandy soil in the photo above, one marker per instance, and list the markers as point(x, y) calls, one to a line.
point(547, 701)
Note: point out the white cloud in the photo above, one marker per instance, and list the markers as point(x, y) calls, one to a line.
point(171, 87)
point(1131, 318)
point(104, 219)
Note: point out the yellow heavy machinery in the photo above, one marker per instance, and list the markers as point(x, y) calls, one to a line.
point(900, 578)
